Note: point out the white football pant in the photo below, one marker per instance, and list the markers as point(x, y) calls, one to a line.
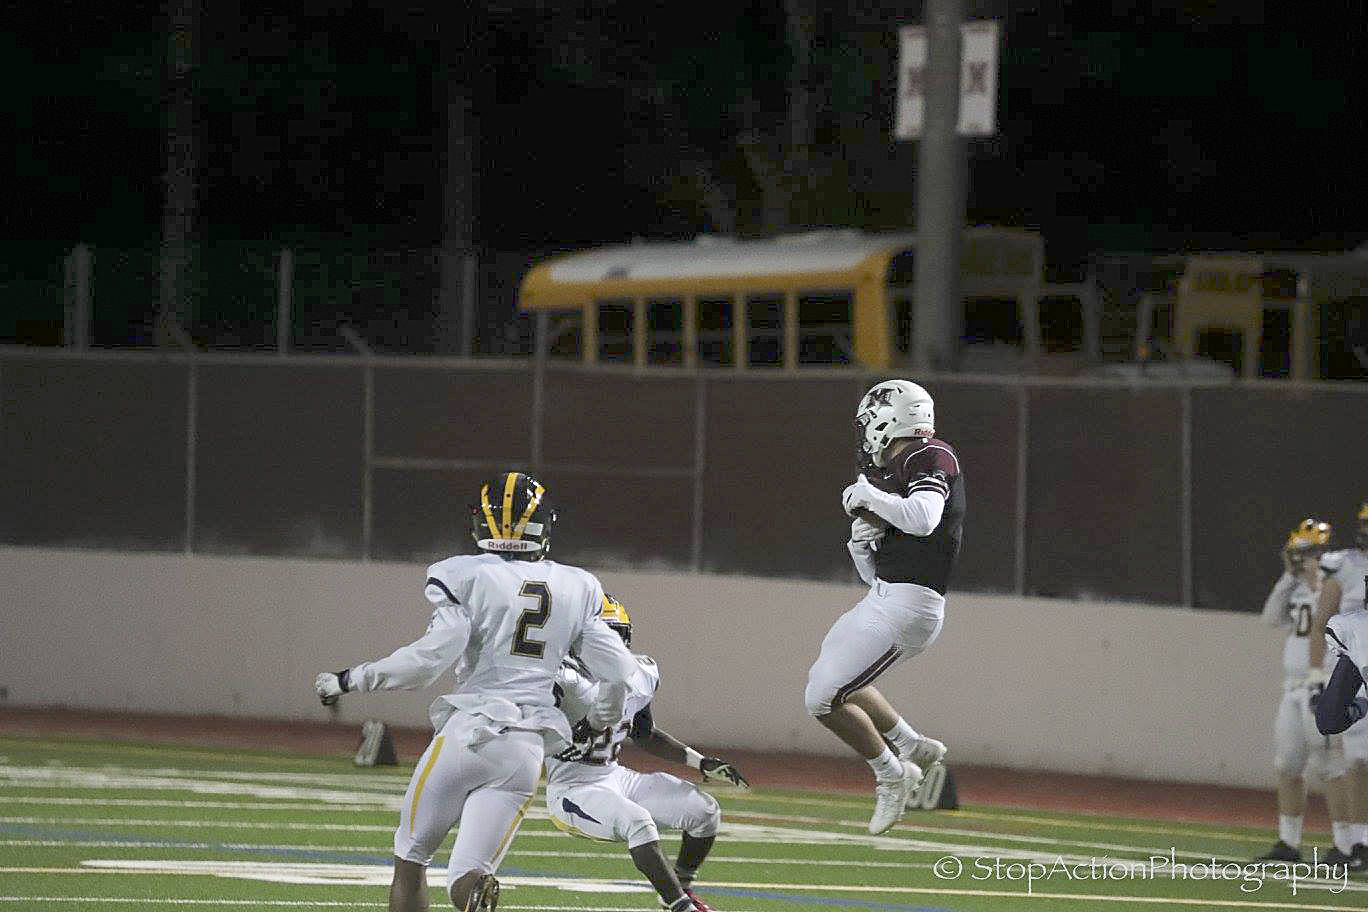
point(891, 624)
point(1299, 747)
point(483, 791)
point(627, 806)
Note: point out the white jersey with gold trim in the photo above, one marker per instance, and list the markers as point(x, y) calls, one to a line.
point(1347, 635)
point(1349, 568)
point(505, 626)
point(577, 691)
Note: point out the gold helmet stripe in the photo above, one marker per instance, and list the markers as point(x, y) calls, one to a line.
point(489, 513)
point(510, 482)
point(527, 513)
point(1363, 511)
point(614, 612)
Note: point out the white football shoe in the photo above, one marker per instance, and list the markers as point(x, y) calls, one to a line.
point(926, 753)
point(890, 797)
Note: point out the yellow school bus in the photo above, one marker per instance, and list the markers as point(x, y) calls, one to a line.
point(1288, 315)
point(817, 298)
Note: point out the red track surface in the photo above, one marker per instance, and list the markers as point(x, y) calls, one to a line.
point(1028, 790)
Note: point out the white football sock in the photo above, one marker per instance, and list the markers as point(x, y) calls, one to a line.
point(886, 766)
point(902, 736)
point(1343, 834)
point(1290, 829)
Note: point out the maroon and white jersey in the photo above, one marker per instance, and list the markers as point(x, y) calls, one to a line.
point(927, 465)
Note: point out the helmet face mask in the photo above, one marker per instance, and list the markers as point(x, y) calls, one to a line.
point(512, 518)
point(891, 410)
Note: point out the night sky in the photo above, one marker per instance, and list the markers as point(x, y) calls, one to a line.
point(1122, 127)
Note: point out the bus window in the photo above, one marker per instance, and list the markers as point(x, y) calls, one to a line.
point(615, 332)
point(665, 327)
point(1275, 343)
point(1061, 324)
point(1223, 345)
point(715, 332)
point(1344, 339)
point(901, 314)
point(824, 328)
point(992, 320)
point(766, 316)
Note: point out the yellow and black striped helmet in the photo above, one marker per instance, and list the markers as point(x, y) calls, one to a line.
point(1310, 535)
point(616, 617)
point(513, 517)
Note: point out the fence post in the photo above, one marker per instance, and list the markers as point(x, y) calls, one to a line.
point(367, 434)
point(699, 457)
point(284, 300)
point(191, 446)
point(540, 343)
point(468, 274)
point(76, 331)
point(1186, 518)
point(1023, 450)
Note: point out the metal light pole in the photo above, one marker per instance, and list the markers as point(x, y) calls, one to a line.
point(941, 165)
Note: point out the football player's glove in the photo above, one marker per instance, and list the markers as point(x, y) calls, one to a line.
point(867, 529)
point(715, 768)
point(856, 496)
point(332, 684)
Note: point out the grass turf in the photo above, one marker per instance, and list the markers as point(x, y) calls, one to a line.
point(87, 824)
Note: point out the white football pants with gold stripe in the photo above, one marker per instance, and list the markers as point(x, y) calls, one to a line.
point(483, 791)
point(627, 806)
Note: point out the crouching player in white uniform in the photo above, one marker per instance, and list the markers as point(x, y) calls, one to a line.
point(589, 794)
point(1301, 750)
point(1343, 594)
point(908, 508)
point(505, 619)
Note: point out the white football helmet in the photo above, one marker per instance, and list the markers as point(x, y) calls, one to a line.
point(893, 409)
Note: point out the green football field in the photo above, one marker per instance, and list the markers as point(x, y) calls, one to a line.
point(96, 825)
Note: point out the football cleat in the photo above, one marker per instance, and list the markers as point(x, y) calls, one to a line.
point(926, 753)
point(1335, 858)
point(890, 798)
point(1358, 863)
point(698, 904)
point(484, 896)
point(1281, 851)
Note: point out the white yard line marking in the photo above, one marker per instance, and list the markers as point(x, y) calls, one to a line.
point(290, 903)
point(47, 800)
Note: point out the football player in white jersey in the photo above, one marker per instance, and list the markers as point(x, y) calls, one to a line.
point(505, 619)
point(589, 794)
point(1299, 747)
point(1343, 593)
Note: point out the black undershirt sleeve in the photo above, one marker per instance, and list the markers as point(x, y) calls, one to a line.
point(1337, 709)
point(642, 724)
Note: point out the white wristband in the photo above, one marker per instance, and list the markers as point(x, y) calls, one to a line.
point(693, 758)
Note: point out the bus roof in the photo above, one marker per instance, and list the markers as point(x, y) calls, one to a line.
point(833, 258)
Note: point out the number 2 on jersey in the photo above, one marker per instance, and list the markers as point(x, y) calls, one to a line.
point(532, 617)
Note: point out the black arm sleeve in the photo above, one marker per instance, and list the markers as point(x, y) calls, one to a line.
point(642, 724)
point(1336, 711)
